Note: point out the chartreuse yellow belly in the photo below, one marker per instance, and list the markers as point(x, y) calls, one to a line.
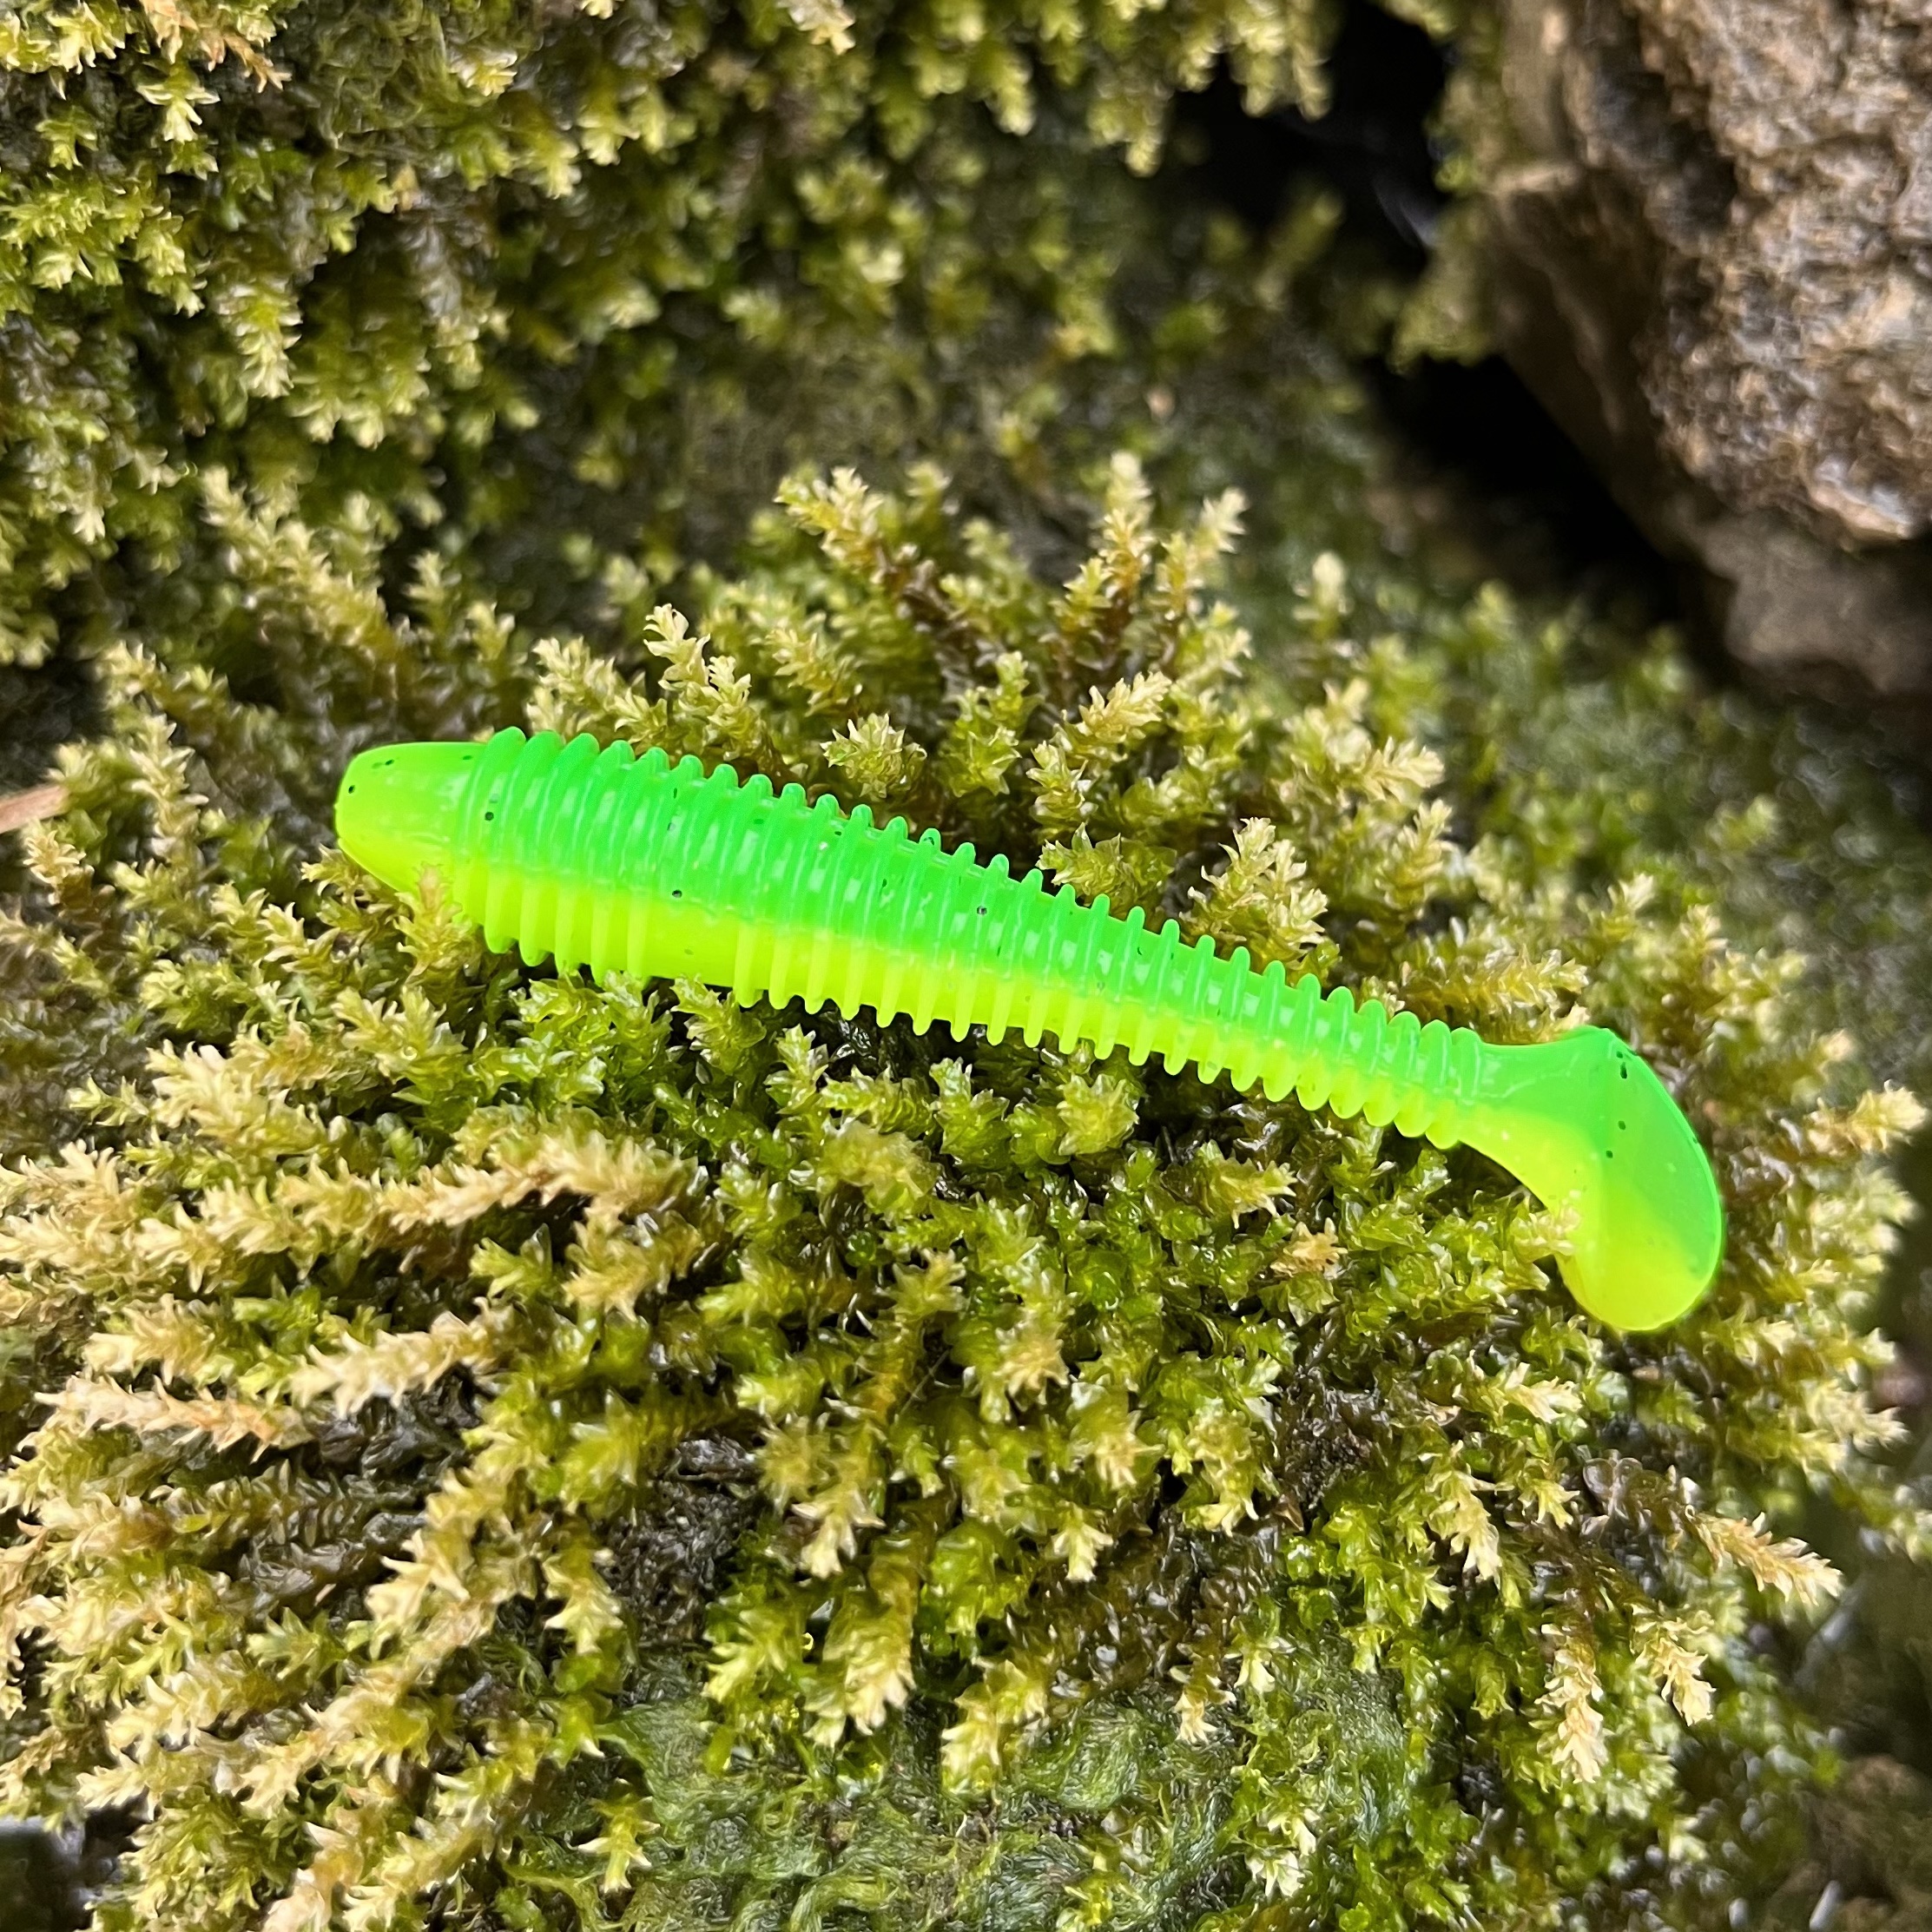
point(621, 863)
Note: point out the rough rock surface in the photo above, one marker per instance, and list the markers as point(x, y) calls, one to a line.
point(1795, 368)
point(1709, 246)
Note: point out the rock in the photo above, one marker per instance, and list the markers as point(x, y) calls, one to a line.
point(1705, 239)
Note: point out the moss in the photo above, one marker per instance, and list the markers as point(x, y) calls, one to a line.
point(348, 260)
point(1106, 1490)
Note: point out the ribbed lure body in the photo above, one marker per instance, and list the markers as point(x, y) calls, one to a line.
point(602, 859)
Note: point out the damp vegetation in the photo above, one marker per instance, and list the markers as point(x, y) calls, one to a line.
point(521, 1453)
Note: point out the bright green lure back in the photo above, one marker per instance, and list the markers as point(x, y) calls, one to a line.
point(635, 865)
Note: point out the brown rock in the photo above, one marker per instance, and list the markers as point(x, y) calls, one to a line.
point(1706, 241)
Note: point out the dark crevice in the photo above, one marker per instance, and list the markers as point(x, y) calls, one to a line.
point(1471, 443)
point(41, 710)
point(1372, 146)
point(1476, 434)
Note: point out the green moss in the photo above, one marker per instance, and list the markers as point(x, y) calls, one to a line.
point(415, 272)
point(1096, 1487)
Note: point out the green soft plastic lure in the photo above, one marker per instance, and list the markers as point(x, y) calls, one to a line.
point(635, 865)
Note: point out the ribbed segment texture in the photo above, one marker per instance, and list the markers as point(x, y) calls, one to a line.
point(631, 864)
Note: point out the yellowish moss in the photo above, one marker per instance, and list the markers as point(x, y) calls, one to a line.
point(519, 1452)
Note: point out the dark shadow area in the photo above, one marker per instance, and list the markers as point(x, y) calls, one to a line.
point(1473, 449)
point(47, 1883)
point(1472, 436)
point(37, 1882)
point(1372, 146)
point(40, 710)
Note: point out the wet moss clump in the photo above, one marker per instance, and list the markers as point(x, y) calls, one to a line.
point(516, 1451)
point(489, 273)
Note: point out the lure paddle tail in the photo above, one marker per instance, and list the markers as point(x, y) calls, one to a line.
point(620, 863)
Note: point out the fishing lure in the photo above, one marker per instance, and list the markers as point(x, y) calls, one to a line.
point(621, 863)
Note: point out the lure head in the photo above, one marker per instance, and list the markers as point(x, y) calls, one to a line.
point(399, 810)
point(1584, 1124)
